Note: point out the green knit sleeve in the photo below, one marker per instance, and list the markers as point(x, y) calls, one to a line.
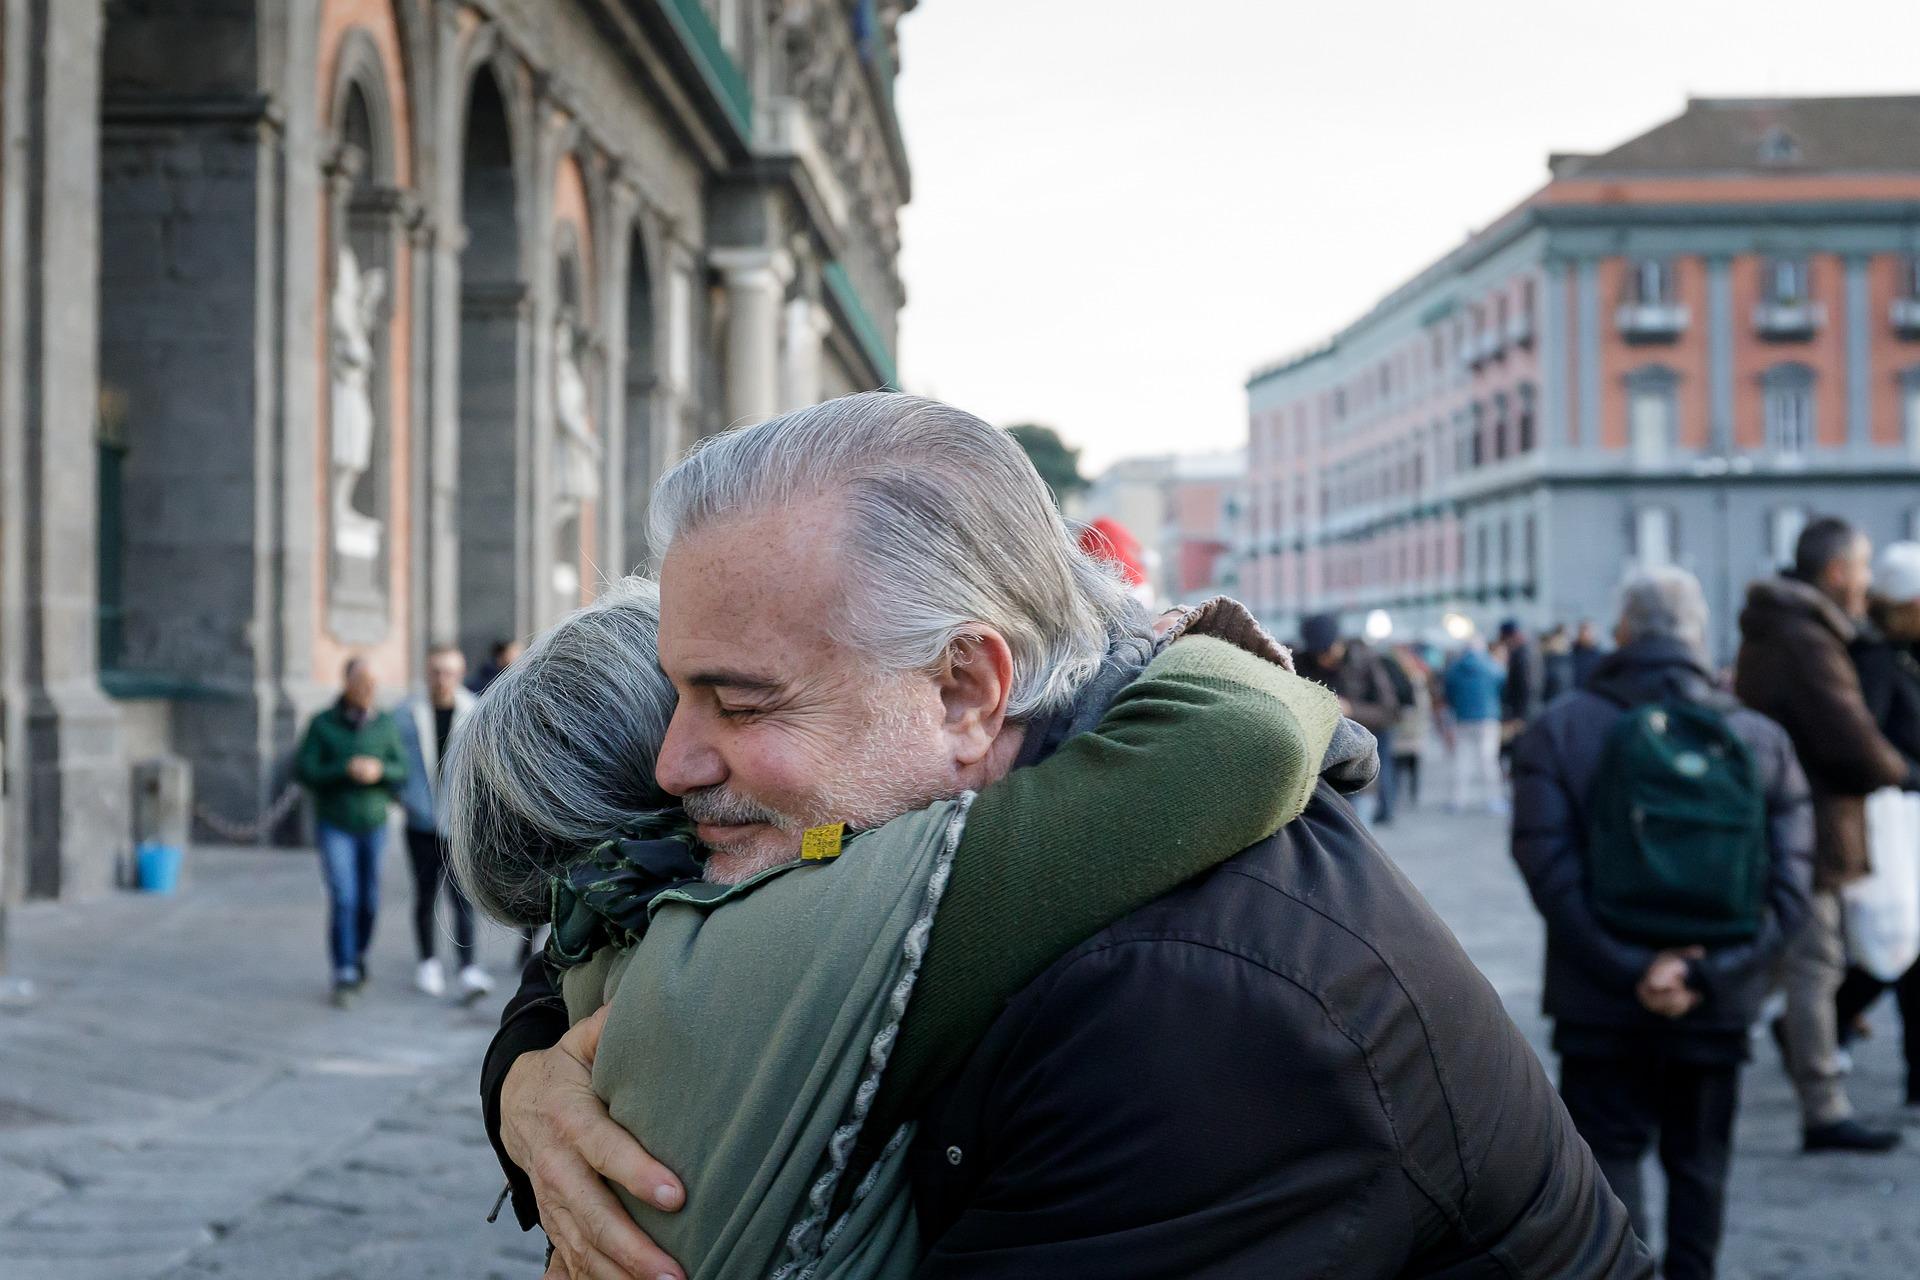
point(1209, 751)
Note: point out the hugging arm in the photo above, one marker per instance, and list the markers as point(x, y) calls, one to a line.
point(1211, 750)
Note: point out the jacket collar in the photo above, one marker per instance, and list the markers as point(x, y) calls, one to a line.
point(1790, 596)
point(1656, 668)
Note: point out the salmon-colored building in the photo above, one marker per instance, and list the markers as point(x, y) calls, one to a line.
point(1677, 351)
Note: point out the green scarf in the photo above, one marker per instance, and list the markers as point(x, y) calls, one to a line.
point(750, 1041)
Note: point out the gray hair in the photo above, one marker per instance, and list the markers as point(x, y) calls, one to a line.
point(558, 754)
point(949, 528)
point(1664, 602)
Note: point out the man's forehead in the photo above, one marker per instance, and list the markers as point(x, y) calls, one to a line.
point(746, 595)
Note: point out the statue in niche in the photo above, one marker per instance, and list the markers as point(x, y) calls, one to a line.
point(353, 314)
point(576, 460)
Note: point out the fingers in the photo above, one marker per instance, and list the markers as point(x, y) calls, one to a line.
point(578, 1259)
point(582, 1042)
point(600, 1242)
point(620, 1158)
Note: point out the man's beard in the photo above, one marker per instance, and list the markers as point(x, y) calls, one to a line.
point(891, 771)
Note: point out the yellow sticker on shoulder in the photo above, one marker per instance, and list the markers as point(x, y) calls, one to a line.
point(819, 844)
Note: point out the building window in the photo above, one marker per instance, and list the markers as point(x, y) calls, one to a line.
point(1788, 392)
point(1783, 534)
point(1500, 434)
point(1651, 411)
point(1787, 281)
point(1530, 555)
point(1527, 434)
point(1482, 569)
point(1910, 409)
point(1653, 537)
point(1653, 282)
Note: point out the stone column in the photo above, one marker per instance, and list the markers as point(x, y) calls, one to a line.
point(756, 282)
point(63, 741)
point(807, 327)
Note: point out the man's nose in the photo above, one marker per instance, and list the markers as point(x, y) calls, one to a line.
point(687, 761)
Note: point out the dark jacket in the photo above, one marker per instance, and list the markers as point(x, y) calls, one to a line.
point(1559, 674)
point(1288, 1067)
point(1591, 974)
point(1586, 660)
point(1794, 668)
point(333, 738)
point(1890, 685)
point(1520, 698)
point(1362, 679)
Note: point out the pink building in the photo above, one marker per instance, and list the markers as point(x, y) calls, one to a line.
point(1676, 351)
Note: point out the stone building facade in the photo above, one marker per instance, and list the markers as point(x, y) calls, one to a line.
point(334, 327)
point(1676, 351)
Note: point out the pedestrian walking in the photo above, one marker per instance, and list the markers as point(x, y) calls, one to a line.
point(1556, 664)
point(1413, 733)
point(1355, 672)
point(1660, 936)
point(1473, 682)
point(351, 762)
point(1793, 667)
point(1886, 653)
point(427, 722)
point(1587, 653)
point(499, 658)
point(1521, 697)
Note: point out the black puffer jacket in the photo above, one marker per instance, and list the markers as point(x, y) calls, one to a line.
point(1287, 1067)
point(1591, 974)
point(1890, 683)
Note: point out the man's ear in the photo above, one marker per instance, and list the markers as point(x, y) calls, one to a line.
point(975, 681)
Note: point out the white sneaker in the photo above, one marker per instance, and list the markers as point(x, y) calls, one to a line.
point(430, 979)
point(474, 983)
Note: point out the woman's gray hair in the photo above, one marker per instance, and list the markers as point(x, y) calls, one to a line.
point(949, 527)
point(558, 753)
point(1666, 602)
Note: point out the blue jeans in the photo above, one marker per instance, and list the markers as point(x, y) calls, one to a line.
point(350, 865)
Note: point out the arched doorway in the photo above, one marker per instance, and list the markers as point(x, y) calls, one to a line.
point(492, 498)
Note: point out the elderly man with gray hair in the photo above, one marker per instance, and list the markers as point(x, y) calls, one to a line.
point(1666, 834)
point(1286, 1064)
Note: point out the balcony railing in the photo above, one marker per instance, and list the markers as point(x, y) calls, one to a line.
point(1651, 321)
point(1905, 314)
point(1788, 320)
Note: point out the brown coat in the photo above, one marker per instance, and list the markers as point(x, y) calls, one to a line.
point(1794, 668)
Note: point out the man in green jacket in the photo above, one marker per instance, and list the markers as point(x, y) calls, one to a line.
point(351, 761)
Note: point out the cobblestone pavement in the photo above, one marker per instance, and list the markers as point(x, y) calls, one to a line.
point(182, 1104)
point(1790, 1216)
point(182, 1101)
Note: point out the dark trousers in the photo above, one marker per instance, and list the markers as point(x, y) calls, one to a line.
point(1387, 786)
point(350, 866)
point(427, 850)
point(1623, 1106)
point(1408, 767)
point(1858, 992)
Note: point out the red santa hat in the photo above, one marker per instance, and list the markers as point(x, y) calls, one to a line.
point(1107, 539)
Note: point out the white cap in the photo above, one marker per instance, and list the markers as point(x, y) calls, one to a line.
point(1896, 573)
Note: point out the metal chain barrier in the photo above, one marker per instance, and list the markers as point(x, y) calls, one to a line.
point(250, 832)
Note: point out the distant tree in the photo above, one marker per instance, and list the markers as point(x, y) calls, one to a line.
point(1057, 464)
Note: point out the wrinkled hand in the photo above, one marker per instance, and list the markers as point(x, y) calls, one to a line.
point(556, 1128)
point(1663, 988)
point(366, 770)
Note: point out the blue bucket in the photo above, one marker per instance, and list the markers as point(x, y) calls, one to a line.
point(158, 867)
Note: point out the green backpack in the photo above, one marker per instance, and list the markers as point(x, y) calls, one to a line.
point(1677, 847)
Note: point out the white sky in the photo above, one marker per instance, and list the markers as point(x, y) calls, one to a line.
point(1122, 206)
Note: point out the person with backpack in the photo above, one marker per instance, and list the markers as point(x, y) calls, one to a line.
point(1666, 835)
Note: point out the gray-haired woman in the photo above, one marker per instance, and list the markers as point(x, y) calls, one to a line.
point(756, 1036)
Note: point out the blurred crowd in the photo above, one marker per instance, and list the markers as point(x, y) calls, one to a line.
point(1722, 854)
